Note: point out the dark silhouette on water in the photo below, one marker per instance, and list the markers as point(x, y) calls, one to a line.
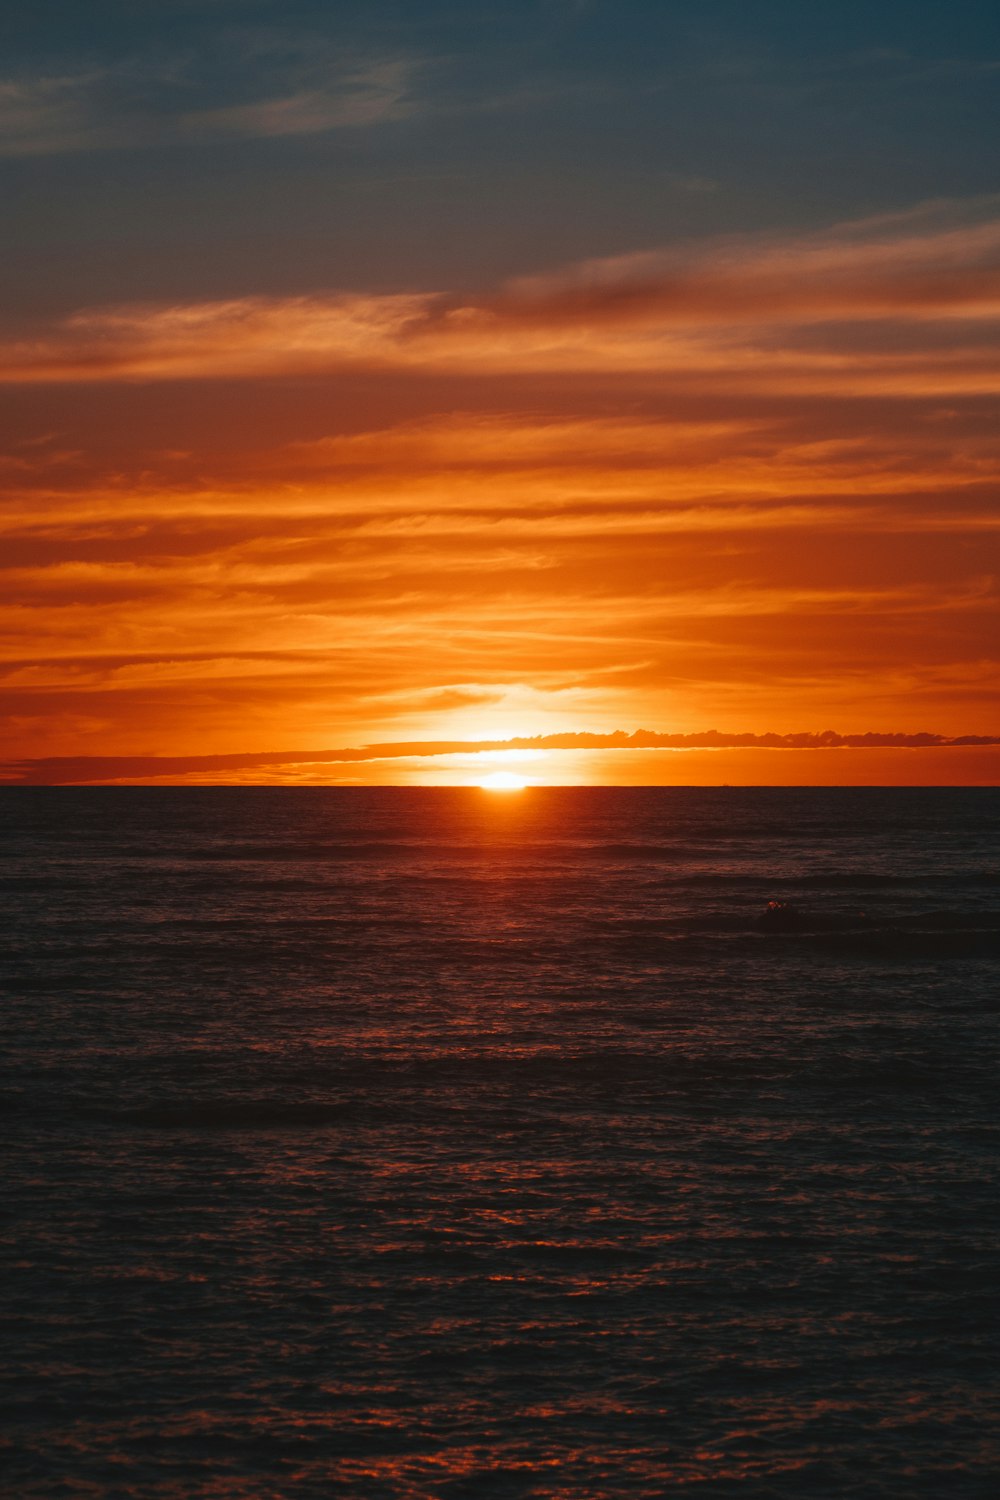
point(786, 916)
point(781, 916)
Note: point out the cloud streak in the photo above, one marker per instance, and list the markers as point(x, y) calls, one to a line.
point(480, 573)
point(725, 315)
point(90, 770)
point(143, 102)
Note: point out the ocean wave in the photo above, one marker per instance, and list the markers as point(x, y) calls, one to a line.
point(910, 946)
point(494, 1093)
point(225, 1114)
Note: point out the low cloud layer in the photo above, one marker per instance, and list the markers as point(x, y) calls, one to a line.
point(308, 765)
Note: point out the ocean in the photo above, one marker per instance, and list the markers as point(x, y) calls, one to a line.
point(408, 1143)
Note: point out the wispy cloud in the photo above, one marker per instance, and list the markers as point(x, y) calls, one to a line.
point(761, 314)
point(480, 572)
point(145, 101)
point(47, 114)
point(940, 259)
point(370, 95)
point(701, 534)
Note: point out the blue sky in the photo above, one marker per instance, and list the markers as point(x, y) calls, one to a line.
point(224, 148)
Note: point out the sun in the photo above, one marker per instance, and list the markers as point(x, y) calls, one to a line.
point(503, 781)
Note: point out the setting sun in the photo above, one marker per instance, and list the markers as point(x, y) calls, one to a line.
point(503, 781)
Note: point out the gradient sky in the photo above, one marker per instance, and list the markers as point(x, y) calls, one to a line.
point(430, 376)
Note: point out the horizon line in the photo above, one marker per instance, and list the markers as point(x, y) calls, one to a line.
point(62, 770)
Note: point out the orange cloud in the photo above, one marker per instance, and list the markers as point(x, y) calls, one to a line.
point(701, 529)
point(916, 264)
point(313, 765)
point(730, 313)
point(488, 572)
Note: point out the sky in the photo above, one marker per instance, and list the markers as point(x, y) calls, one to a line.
point(393, 393)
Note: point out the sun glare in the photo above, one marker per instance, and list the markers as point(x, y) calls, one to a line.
point(503, 781)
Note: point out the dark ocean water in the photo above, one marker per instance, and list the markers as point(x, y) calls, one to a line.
point(434, 1143)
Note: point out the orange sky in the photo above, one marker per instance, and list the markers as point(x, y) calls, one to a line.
point(745, 482)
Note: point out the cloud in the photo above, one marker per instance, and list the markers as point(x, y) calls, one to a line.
point(218, 769)
point(903, 305)
point(157, 101)
point(57, 113)
point(370, 95)
point(604, 495)
point(248, 337)
point(476, 573)
point(512, 440)
point(935, 260)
